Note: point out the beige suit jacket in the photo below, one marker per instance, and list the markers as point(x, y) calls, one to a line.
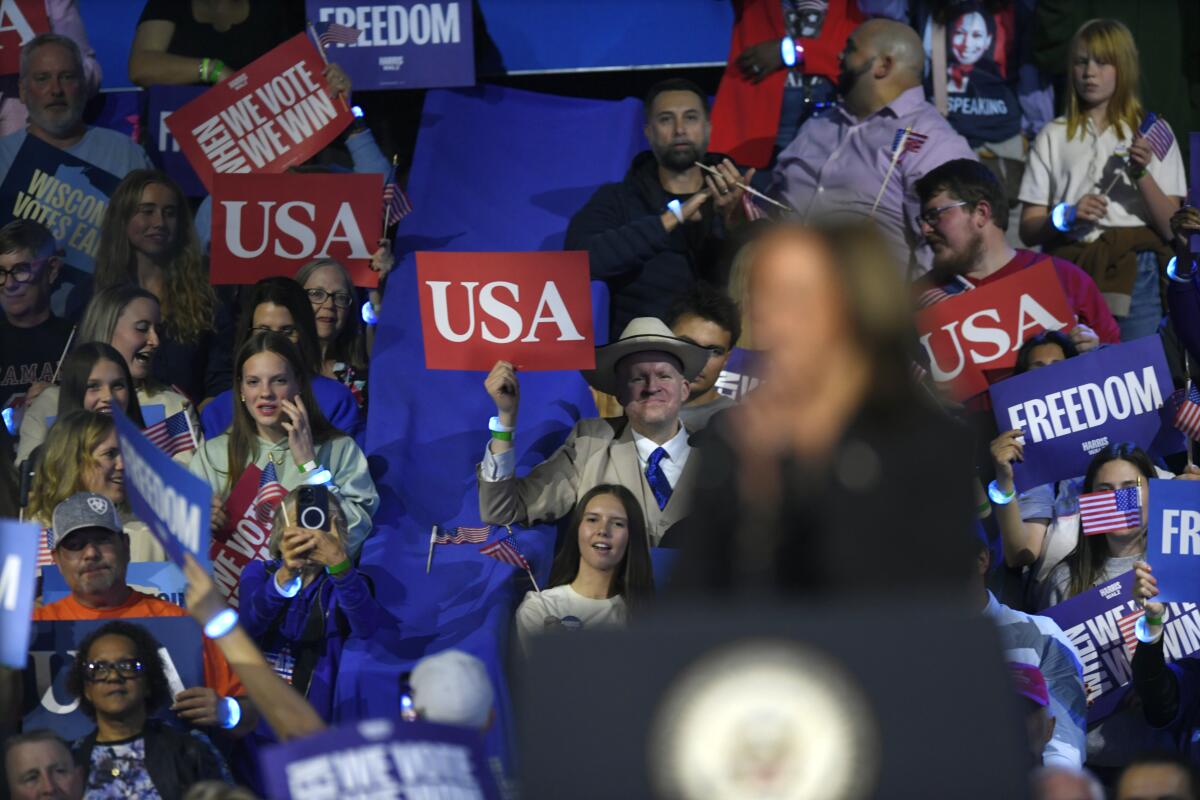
point(597, 451)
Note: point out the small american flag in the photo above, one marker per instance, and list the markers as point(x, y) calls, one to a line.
point(1103, 512)
point(506, 550)
point(462, 535)
point(270, 492)
point(335, 33)
point(396, 205)
point(43, 558)
point(1158, 134)
point(907, 141)
point(1187, 418)
point(172, 435)
point(1128, 626)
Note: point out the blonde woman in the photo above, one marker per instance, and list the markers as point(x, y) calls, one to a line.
point(148, 239)
point(1094, 160)
point(81, 454)
point(129, 319)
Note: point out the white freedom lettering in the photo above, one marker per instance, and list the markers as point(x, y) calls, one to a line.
point(181, 517)
point(1184, 524)
point(1058, 414)
point(550, 302)
point(420, 23)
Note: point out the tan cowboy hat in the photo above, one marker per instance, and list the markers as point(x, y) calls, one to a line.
point(642, 335)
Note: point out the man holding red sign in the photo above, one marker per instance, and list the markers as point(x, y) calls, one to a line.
point(646, 451)
point(963, 215)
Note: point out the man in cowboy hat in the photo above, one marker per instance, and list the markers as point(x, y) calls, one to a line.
point(646, 450)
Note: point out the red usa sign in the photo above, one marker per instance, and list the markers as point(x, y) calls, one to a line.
point(266, 225)
point(972, 339)
point(533, 309)
point(273, 114)
point(20, 21)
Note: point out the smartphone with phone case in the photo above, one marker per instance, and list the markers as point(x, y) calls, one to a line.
point(312, 508)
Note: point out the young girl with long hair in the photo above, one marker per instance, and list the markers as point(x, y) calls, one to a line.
point(280, 305)
point(1095, 161)
point(128, 318)
point(81, 454)
point(602, 575)
point(147, 238)
point(276, 420)
point(1100, 558)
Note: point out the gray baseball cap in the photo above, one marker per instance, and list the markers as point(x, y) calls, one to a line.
point(79, 511)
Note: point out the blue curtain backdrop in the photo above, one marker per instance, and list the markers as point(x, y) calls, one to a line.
point(495, 169)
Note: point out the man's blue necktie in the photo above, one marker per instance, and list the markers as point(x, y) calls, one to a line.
point(657, 478)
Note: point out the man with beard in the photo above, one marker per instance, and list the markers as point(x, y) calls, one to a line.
point(53, 88)
point(963, 217)
point(663, 227)
point(860, 158)
point(92, 552)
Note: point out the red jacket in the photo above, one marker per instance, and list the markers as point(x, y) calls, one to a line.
point(745, 117)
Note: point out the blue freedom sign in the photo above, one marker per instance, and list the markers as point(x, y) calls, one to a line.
point(18, 575)
point(380, 758)
point(401, 45)
point(1072, 410)
point(1173, 539)
point(52, 649)
point(176, 504)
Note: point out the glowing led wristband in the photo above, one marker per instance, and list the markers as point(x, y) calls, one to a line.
point(289, 589)
point(1063, 216)
point(1174, 274)
point(787, 51)
point(676, 208)
point(999, 496)
point(229, 713)
point(369, 315)
point(321, 476)
point(225, 621)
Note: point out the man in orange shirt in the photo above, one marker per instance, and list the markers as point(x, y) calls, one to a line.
point(92, 552)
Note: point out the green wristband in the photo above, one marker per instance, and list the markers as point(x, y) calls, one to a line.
point(1153, 620)
point(504, 436)
point(338, 569)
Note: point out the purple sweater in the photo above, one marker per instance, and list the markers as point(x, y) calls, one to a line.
point(278, 622)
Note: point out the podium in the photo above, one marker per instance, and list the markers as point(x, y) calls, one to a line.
point(776, 700)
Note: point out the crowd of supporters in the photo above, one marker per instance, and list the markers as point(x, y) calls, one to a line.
point(877, 157)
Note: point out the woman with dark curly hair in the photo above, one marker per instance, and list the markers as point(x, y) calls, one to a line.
point(120, 681)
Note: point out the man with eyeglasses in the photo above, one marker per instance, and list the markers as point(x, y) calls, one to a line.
point(706, 317)
point(92, 552)
point(963, 217)
point(31, 337)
